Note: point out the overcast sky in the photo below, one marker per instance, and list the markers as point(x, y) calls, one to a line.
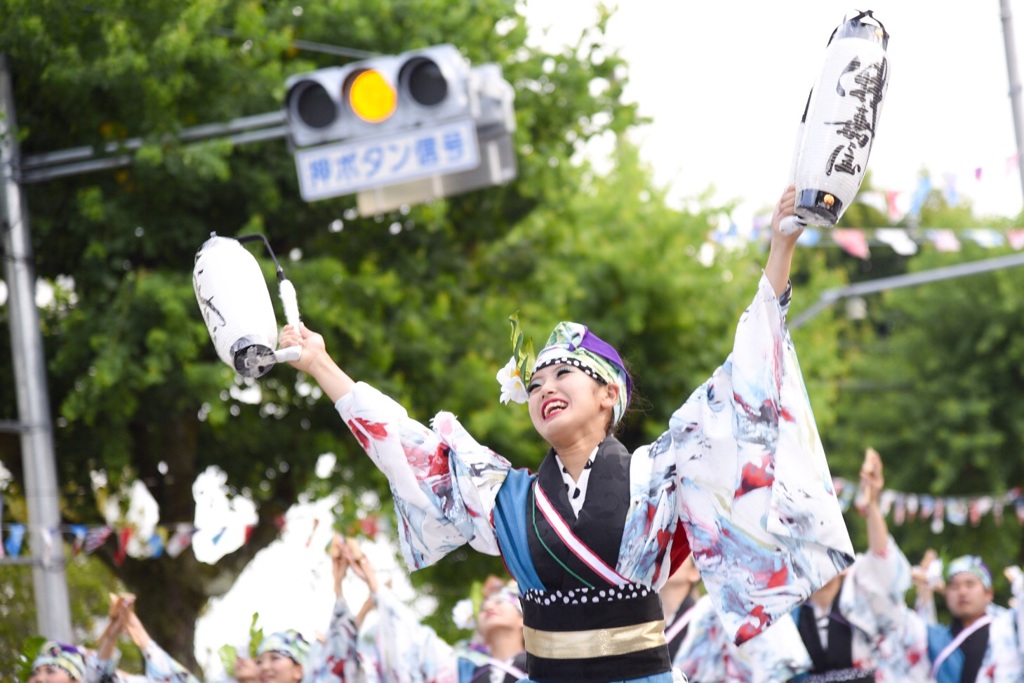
point(726, 82)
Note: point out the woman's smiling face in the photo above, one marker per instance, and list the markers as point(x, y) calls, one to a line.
point(566, 403)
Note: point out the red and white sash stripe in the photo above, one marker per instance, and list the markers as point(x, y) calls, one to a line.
point(578, 547)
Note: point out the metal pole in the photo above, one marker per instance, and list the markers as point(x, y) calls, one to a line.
point(41, 492)
point(37, 168)
point(831, 296)
point(1011, 72)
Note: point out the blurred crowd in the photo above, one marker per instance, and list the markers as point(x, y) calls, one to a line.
point(858, 627)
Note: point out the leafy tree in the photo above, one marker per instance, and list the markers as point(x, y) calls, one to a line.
point(137, 391)
point(934, 372)
point(415, 302)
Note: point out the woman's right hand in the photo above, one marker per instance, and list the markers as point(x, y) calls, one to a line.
point(312, 345)
point(315, 361)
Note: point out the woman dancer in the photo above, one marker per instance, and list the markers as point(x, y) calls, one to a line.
point(739, 478)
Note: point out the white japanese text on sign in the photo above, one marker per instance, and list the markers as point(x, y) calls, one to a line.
point(350, 167)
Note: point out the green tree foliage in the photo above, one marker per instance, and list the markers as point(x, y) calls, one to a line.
point(933, 379)
point(412, 301)
point(946, 361)
point(415, 302)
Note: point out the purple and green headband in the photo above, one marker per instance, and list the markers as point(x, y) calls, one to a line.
point(970, 564)
point(571, 343)
point(67, 657)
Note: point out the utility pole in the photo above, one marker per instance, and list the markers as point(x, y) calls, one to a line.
point(35, 422)
point(36, 426)
point(1014, 78)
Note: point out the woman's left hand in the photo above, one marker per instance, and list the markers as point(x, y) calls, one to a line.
point(780, 254)
point(785, 208)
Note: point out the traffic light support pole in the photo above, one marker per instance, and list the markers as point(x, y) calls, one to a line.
point(37, 168)
point(41, 491)
point(1010, 47)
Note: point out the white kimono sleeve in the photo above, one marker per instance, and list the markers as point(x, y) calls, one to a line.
point(757, 498)
point(444, 483)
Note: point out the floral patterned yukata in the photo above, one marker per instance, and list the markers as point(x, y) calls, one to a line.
point(707, 655)
point(739, 478)
point(873, 587)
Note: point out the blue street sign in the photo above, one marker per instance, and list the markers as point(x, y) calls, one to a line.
point(350, 167)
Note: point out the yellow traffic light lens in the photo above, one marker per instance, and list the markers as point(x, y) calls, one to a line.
point(371, 97)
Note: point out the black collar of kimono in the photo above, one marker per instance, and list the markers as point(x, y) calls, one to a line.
point(603, 516)
point(839, 654)
point(973, 647)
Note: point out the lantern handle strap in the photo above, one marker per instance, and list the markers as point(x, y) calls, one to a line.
point(289, 300)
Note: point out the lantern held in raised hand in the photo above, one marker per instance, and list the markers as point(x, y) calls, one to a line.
point(840, 121)
point(236, 305)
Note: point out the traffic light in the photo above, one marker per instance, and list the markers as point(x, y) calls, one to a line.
point(378, 95)
point(401, 129)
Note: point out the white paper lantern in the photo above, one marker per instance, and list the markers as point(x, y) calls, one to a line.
point(840, 121)
point(235, 303)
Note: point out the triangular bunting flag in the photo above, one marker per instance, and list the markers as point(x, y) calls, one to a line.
point(852, 241)
point(1016, 238)
point(78, 531)
point(944, 240)
point(155, 544)
point(898, 239)
point(123, 537)
point(809, 237)
point(181, 539)
point(986, 237)
point(891, 199)
point(96, 537)
point(15, 536)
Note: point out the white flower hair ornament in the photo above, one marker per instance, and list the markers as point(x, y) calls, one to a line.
point(516, 373)
point(570, 343)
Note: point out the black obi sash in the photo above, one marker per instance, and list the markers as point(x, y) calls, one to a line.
point(600, 524)
point(576, 598)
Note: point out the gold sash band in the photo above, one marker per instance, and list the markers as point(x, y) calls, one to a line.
point(603, 642)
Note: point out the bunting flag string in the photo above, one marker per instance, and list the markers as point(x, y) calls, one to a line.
point(171, 540)
point(166, 539)
point(896, 206)
point(906, 242)
point(938, 510)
